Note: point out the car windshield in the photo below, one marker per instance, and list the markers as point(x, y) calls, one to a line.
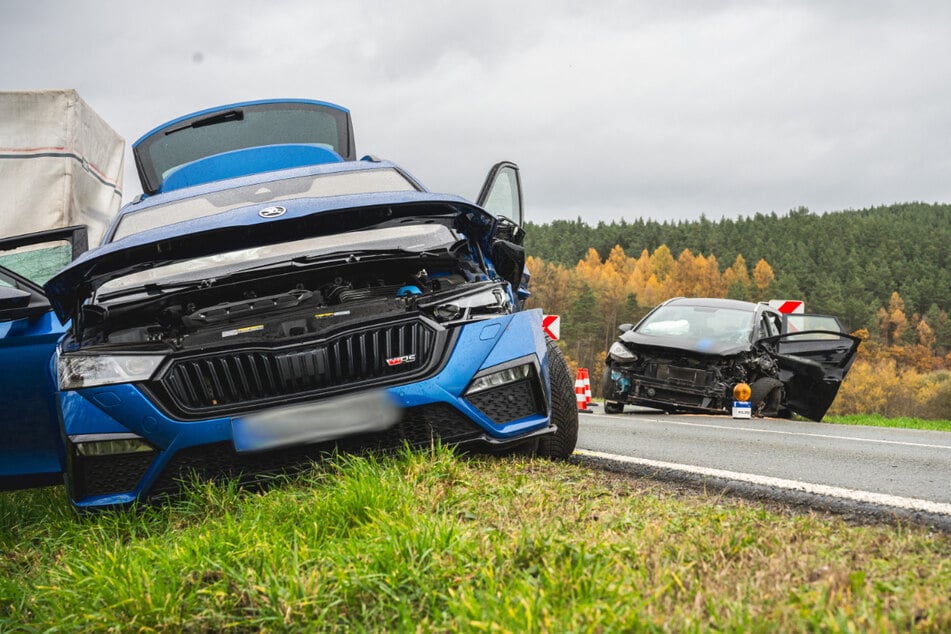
point(699, 322)
point(411, 238)
point(337, 184)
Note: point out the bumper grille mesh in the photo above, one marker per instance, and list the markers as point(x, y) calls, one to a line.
point(100, 475)
point(510, 402)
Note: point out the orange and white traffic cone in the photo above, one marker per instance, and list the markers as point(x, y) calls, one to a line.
point(580, 392)
point(587, 389)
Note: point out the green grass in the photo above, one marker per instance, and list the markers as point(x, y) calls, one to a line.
point(433, 542)
point(874, 420)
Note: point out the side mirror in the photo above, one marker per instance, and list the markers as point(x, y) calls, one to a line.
point(16, 304)
point(13, 298)
point(625, 327)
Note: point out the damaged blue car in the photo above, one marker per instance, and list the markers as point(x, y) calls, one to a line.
point(269, 298)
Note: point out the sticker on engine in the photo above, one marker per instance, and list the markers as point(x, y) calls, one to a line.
point(241, 331)
point(339, 313)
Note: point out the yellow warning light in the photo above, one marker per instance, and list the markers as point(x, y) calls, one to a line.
point(742, 392)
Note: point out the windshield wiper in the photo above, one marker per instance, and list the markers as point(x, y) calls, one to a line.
point(153, 289)
point(214, 119)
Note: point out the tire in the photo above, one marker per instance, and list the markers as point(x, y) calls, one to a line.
point(766, 395)
point(610, 407)
point(564, 410)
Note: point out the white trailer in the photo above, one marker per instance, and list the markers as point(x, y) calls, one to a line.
point(60, 164)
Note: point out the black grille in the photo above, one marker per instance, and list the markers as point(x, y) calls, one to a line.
point(238, 380)
point(511, 401)
point(99, 475)
point(418, 427)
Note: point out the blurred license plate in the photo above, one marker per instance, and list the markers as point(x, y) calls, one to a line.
point(327, 419)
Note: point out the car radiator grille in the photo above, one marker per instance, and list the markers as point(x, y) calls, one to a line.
point(238, 380)
point(676, 375)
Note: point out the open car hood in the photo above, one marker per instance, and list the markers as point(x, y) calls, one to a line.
point(244, 227)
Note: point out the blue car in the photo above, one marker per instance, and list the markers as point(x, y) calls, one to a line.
point(269, 298)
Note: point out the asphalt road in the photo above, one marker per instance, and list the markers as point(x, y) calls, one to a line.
point(836, 466)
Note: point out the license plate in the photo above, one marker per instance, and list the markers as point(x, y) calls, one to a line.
point(327, 419)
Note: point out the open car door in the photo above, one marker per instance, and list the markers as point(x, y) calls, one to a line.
point(814, 354)
point(30, 444)
point(501, 195)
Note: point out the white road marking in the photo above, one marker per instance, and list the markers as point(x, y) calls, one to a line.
point(793, 485)
point(797, 433)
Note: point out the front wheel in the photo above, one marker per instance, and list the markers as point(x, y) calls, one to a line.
point(564, 409)
point(610, 407)
point(766, 395)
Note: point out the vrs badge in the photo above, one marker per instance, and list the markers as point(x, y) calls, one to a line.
point(406, 358)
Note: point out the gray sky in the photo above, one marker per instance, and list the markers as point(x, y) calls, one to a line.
point(660, 110)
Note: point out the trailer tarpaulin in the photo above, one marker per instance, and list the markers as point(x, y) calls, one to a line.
point(60, 164)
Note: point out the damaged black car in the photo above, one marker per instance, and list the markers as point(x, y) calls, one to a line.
point(695, 354)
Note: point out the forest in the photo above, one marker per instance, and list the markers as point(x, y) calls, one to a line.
point(883, 271)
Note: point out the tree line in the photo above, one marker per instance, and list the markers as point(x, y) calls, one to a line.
point(846, 263)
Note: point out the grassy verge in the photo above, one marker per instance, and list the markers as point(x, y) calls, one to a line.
point(875, 420)
point(432, 542)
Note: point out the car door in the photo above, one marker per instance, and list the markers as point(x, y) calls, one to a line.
point(814, 354)
point(30, 445)
point(501, 195)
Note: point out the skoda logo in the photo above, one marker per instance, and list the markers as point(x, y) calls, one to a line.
point(272, 212)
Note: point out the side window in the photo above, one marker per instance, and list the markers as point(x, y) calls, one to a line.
point(798, 323)
point(502, 192)
point(37, 262)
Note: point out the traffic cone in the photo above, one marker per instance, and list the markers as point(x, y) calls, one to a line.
point(580, 391)
point(587, 388)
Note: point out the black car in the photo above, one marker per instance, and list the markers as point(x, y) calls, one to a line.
point(688, 355)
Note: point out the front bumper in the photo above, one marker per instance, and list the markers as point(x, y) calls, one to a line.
point(432, 409)
point(624, 386)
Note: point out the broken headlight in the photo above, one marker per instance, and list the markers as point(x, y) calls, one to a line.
point(88, 370)
point(619, 352)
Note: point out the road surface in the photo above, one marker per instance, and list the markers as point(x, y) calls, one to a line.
point(883, 471)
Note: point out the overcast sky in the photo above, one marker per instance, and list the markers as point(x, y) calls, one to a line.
point(662, 110)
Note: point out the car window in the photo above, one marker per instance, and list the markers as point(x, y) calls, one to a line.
point(769, 326)
point(37, 262)
point(798, 323)
point(338, 184)
point(244, 126)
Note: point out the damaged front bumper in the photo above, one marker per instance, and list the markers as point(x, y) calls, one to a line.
point(488, 388)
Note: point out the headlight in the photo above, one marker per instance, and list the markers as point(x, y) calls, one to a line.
point(87, 370)
point(619, 352)
point(502, 377)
